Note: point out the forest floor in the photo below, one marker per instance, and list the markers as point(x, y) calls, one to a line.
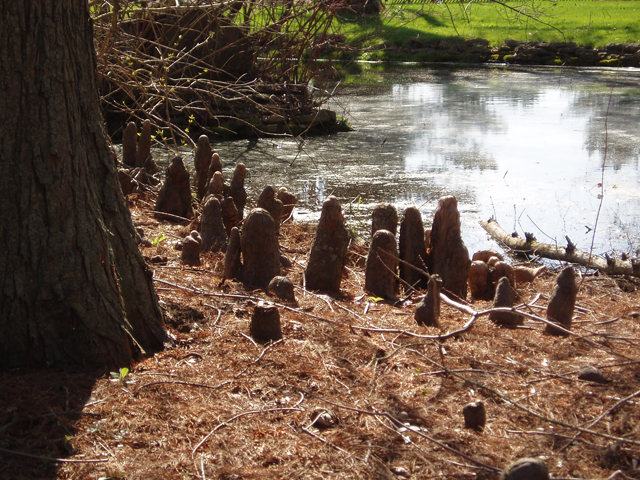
point(217, 405)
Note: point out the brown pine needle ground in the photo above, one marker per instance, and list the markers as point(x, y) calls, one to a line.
point(216, 405)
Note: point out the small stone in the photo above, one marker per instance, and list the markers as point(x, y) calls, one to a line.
point(400, 472)
point(526, 469)
point(590, 373)
point(282, 287)
point(322, 418)
point(475, 415)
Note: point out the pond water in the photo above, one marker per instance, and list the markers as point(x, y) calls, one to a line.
point(529, 147)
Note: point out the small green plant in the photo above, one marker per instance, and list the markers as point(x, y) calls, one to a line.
point(158, 240)
point(376, 299)
point(121, 375)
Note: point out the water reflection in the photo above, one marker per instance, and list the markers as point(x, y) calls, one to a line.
point(524, 145)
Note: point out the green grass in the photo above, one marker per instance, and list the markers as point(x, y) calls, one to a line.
point(587, 23)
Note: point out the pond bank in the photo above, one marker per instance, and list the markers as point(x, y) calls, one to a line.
point(516, 52)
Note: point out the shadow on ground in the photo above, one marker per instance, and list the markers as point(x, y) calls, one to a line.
point(38, 411)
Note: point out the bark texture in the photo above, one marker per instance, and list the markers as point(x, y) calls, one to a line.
point(288, 200)
point(382, 265)
point(449, 257)
point(384, 217)
point(201, 162)
point(428, 310)
point(260, 253)
point(504, 298)
point(75, 290)
point(174, 197)
point(237, 191)
point(214, 235)
point(130, 145)
point(563, 301)
point(328, 250)
point(265, 324)
point(412, 249)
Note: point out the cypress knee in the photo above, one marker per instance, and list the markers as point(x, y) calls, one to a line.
point(214, 235)
point(232, 263)
point(449, 257)
point(144, 158)
point(260, 253)
point(412, 248)
point(288, 200)
point(175, 195)
point(215, 185)
point(504, 299)
point(237, 191)
point(563, 301)
point(130, 145)
point(384, 217)
point(428, 310)
point(229, 214)
point(329, 249)
point(382, 265)
point(265, 323)
point(479, 282)
point(271, 204)
point(282, 288)
point(191, 248)
point(201, 161)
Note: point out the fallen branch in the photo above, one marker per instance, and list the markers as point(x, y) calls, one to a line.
point(569, 254)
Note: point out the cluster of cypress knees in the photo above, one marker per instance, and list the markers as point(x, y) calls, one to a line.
point(435, 259)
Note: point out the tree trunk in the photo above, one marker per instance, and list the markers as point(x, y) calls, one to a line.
point(74, 289)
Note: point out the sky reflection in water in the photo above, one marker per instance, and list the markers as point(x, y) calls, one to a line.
point(523, 145)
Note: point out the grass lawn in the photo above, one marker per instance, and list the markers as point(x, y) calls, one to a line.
point(587, 23)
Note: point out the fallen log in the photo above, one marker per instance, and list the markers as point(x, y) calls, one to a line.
point(569, 253)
